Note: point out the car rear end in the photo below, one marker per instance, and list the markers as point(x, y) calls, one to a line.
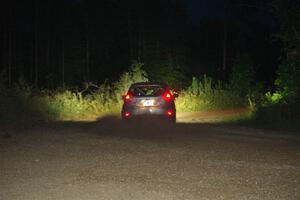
point(149, 99)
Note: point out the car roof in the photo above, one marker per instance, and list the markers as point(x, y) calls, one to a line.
point(148, 84)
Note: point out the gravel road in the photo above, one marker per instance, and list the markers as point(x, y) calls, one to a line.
point(108, 159)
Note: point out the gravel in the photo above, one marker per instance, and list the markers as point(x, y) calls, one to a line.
point(147, 160)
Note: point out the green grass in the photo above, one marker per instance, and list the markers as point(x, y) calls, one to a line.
point(72, 105)
point(23, 103)
point(205, 94)
point(218, 99)
point(66, 104)
point(91, 102)
point(17, 105)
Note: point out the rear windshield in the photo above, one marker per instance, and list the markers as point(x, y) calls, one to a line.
point(147, 90)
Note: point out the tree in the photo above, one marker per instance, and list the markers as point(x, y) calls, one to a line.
point(242, 74)
point(288, 80)
point(36, 45)
point(134, 75)
point(169, 70)
point(10, 34)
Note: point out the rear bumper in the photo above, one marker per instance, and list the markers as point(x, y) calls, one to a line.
point(138, 111)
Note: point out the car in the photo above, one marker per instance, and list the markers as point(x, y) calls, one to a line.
point(149, 99)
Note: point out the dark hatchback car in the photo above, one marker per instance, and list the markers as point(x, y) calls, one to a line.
point(144, 99)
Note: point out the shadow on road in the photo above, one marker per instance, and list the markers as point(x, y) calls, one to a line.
point(112, 126)
point(141, 128)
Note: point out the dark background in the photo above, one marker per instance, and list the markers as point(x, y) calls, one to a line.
point(54, 42)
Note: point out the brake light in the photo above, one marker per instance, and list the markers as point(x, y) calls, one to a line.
point(168, 96)
point(169, 113)
point(127, 97)
point(127, 114)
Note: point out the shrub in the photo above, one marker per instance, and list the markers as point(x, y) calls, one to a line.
point(271, 99)
point(242, 75)
point(68, 104)
point(205, 95)
point(60, 105)
point(278, 115)
point(94, 101)
point(14, 103)
point(105, 99)
point(134, 75)
point(288, 81)
point(167, 70)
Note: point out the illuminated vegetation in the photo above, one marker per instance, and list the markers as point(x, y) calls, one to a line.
point(204, 94)
point(94, 101)
point(90, 102)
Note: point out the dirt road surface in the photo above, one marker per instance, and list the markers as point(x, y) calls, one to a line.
point(147, 160)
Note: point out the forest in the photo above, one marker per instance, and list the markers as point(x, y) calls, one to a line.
point(72, 59)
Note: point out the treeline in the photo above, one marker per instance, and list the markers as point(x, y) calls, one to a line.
point(55, 42)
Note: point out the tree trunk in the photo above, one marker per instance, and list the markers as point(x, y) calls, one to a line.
point(48, 38)
point(87, 53)
point(9, 62)
point(36, 67)
point(10, 46)
point(129, 34)
point(140, 40)
point(225, 37)
point(88, 58)
point(225, 33)
point(63, 64)
point(63, 42)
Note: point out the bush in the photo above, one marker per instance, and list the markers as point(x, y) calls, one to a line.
point(242, 75)
point(14, 103)
point(167, 70)
point(106, 99)
point(60, 105)
point(93, 101)
point(288, 81)
point(134, 75)
point(278, 116)
point(206, 95)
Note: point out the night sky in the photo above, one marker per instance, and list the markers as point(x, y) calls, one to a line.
point(199, 9)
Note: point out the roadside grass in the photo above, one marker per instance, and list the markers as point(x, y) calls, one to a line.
point(13, 106)
point(254, 120)
point(77, 105)
point(206, 94)
point(93, 101)
point(217, 100)
point(71, 105)
point(25, 105)
point(89, 102)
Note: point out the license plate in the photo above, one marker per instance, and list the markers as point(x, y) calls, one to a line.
point(148, 102)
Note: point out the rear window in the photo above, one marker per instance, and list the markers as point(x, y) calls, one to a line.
point(147, 90)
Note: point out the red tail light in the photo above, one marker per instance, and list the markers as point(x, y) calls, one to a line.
point(168, 96)
point(169, 112)
point(127, 97)
point(127, 114)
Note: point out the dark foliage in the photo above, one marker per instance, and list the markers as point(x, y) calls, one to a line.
point(65, 42)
